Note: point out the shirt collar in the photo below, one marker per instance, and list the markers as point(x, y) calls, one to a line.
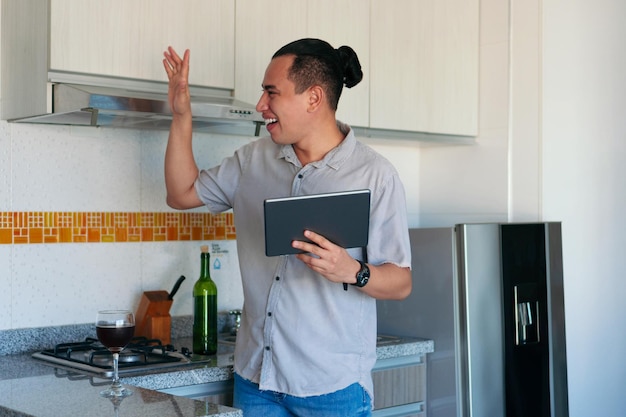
point(334, 158)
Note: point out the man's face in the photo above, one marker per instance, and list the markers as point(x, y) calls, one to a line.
point(284, 111)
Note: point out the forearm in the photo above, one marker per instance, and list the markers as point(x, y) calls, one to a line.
point(180, 166)
point(181, 170)
point(388, 282)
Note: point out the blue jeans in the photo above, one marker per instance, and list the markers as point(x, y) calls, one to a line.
point(352, 401)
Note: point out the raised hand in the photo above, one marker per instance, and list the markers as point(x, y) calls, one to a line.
point(177, 70)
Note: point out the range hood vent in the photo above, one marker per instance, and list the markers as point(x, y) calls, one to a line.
point(126, 107)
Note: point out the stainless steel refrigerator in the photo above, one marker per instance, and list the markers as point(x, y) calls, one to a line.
point(491, 298)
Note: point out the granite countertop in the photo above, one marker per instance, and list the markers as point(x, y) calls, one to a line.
point(51, 395)
point(32, 388)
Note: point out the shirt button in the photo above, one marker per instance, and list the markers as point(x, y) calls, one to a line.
point(277, 278)
point(300, 176)
point(269, 314)
point(267, 348)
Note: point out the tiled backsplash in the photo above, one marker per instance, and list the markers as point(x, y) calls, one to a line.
point(96, 227)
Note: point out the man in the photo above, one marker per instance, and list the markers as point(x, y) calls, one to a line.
point(306, 346)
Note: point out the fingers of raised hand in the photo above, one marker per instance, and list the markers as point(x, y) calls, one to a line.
point(172, 62)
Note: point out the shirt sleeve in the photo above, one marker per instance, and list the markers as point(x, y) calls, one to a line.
point(216, 187)
point(388, 231)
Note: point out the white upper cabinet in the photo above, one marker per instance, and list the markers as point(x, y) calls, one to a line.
point(346, 22)
point(424, 66)
point(126, 38)
point(263, 26)
point(419, 57)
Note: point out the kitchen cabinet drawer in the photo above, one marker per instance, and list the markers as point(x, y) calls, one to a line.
point(125, 38)
point(400, 386)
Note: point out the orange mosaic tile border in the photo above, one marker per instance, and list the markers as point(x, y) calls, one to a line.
point(99, 227)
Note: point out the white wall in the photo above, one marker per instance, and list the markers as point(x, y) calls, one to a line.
point(584, 147)
point(460, 184)
point(73, 169)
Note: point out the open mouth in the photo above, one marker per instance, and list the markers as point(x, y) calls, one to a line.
point(270, 121)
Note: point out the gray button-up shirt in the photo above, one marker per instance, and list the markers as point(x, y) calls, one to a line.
point(300, 333)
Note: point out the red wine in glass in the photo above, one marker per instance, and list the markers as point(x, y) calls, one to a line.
point(115, 338)
point(115, 328)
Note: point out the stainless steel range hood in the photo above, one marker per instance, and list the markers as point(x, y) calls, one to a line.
point(136, 105)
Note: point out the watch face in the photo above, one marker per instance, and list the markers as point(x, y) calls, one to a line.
point(363, 275)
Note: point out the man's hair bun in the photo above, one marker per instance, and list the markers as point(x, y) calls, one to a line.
point(352, 73)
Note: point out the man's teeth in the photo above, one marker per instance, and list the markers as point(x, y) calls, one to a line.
point(268, 121)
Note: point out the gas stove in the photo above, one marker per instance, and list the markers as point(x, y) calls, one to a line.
point(140, 356)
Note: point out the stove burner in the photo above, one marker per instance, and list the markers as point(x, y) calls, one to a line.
point(104, 357)
point(141, 355)
point(140, 351)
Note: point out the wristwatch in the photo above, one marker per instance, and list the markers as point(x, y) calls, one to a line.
point(363, 276)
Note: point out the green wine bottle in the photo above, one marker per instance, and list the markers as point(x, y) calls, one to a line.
point(205, 309)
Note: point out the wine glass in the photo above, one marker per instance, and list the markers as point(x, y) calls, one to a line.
point(115, 328)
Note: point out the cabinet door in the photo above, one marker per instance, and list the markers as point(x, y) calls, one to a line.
point(399, 386)
point(262, 27)
point(424, 56)
point(127, 38)
point(346, 22)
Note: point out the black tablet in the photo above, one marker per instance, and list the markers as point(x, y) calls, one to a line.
point(341, 217)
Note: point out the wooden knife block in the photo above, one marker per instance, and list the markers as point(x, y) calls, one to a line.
point(153, 318)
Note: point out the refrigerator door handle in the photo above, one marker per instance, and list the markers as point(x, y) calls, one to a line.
point(526, 315)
